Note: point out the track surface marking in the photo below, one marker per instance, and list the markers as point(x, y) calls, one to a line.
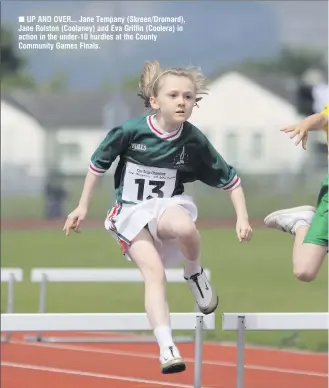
point(132, 365)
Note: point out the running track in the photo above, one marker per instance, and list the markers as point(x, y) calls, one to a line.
point(136, 365)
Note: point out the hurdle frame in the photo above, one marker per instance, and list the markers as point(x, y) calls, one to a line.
point(10, 276)
point(122, 275)
point(197, 322)
point(242, 322)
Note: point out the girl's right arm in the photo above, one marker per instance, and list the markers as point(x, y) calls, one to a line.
point(75, 218)
point(114, 144)
point(88, 190)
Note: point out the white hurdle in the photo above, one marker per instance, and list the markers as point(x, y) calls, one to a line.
point(10, 276)
point(241, 322)
point(113, 322)
point(96, 275)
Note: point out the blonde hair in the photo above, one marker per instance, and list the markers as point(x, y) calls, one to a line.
point(152, 72)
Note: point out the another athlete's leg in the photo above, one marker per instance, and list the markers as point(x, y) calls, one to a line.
point(310, 244)
point(307, 257)
point(176, 223)
point(142, 251)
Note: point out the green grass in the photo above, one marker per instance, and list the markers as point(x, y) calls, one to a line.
point(254, 277)
point(261, 193)
point(209, 207)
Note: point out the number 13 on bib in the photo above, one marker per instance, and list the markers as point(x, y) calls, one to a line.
point(142, 183)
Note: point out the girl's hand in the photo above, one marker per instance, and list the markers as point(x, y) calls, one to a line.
point(243, 230)
point(74, 220)
point(299, 130)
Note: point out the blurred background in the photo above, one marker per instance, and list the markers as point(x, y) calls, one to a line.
point(267, 67)
point(267, 63)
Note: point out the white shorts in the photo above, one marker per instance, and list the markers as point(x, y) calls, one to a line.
point(126, 221)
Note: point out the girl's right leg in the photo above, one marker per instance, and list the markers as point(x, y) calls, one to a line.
point(143, 252)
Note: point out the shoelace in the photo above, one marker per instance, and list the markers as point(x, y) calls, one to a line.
point(196, 281)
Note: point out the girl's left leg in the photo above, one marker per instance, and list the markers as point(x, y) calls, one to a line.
point(176, 222)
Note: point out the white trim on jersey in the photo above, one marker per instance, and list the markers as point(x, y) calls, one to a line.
point(163, 135)
point(96, 170)
point(235, 182)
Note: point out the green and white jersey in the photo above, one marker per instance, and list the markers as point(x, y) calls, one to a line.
point(155, 164)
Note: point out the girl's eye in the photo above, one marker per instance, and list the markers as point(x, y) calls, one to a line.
point(174, 95)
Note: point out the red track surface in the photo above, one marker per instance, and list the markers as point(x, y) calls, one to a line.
point(25, 364)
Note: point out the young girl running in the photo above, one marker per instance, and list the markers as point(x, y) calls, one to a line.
point(307, 224)
point(152, 219)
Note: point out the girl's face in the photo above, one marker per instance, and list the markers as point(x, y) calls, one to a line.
point(175, 99)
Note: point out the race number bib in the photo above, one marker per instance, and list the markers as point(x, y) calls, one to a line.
point(143, 183)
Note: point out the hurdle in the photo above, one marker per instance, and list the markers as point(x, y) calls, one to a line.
point(241, 322)
point(196, 322)
point(10, 276)
point(96, 275)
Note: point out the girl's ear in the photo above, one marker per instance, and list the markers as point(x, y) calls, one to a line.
point(153, 102)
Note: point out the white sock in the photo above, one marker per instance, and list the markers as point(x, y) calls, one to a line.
point(191, 268)
point(163, 336)
point(300, 224)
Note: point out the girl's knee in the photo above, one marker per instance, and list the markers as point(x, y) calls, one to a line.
point(177, 223)
point(186, 230)
point(304, 274)
point(154, 272)
point(307, 261)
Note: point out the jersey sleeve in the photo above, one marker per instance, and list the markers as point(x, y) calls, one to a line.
point(214, 171)
point(115, 142)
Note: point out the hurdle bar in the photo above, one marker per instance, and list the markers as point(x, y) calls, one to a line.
point(241, 322)
point(10, 276)
point(97, 275)
point(116, 322)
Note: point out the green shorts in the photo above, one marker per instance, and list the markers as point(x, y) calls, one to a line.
point(318, 231)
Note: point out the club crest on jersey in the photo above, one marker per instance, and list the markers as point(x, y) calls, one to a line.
point(181, 159)
point(138, 147)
